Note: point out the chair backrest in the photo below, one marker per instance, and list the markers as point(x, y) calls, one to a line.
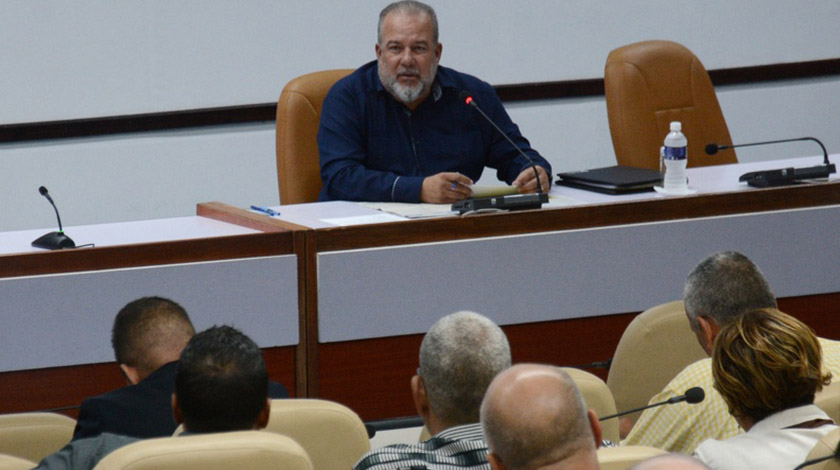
point(598, 398)
point(624, 457)
point(298, 117)
point(828, 399)
point(825, 447)
point(649, 84)
point(654, 348)
point(254, 450)
point(10, 462)
point(33, 436)
point(333, 435)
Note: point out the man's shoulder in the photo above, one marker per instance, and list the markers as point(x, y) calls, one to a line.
point(699, 373)
point(437, 452)
point(463, 81)
point(361, 80)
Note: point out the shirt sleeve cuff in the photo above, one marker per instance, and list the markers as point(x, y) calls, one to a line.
point(406, 188)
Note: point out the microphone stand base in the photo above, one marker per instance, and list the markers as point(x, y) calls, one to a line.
point(508, 203)
point(54, 241)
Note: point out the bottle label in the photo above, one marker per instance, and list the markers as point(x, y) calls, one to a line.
point(675, 153)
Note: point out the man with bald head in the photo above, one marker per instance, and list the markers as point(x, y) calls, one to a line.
point(459, 357)
point(534, 417)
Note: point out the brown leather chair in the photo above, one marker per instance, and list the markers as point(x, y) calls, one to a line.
point(656, 346)
point(298, 116)
point(651, 83)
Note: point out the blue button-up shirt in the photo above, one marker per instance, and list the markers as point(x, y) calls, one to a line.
point(372, 148)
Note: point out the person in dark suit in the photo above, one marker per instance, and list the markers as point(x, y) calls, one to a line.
point(148, 337)
point(220, 386)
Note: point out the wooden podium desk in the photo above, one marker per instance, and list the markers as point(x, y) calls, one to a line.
point(58, 307)
point(564, 281)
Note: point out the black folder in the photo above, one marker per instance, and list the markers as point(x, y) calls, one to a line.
point(612, 179)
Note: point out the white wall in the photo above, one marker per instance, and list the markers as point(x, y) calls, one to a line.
point(97, 58)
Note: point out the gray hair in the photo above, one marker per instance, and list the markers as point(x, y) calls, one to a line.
point(551, 425)
point(459, 357)
point(724, 286)
point(408, 7)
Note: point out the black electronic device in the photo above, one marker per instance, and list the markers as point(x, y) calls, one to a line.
point(53, 240)
point(782, 176)
point(615, 179)
point(691, 396)
point(508, 203)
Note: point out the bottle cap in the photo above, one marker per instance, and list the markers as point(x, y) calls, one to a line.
point(676, 126)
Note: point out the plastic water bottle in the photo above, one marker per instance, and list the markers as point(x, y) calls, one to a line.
point(676, 159)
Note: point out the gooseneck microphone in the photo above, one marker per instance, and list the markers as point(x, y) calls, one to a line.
point(691, 396)
point(53, 240)
point(512, 202)
point(784, 176)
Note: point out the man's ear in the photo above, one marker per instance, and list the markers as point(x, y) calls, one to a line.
point(495, 462)
point(595, 425)
point(421, 400)
point(176, 410)
point(708, 331)
point(265, 414)
point(131, 374)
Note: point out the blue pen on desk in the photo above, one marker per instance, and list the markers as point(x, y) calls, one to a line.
point(265, 210)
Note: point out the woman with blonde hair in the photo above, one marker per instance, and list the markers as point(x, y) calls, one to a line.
point(767, 366)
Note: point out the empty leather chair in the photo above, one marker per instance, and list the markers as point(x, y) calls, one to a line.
point(252, 450)
point(598, 398)
point(298, 117)
point(651, 83)
point(333, 435)
point(656, 346)
point(33, 436)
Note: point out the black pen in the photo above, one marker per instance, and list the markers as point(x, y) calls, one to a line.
point(265, 210)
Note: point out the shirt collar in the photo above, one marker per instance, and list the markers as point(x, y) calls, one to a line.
point(789, 417)
point(470, 432)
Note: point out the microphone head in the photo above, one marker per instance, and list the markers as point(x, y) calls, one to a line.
point(694, 395)
point(466, 97)
point(712, 149)
point(42, 190)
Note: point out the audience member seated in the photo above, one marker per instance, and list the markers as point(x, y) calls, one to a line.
point(459, 357)
point(767, 367)
point(221, 385)
point(670, 462)
point(534, 417)
point(719, 289)
point(148, 336)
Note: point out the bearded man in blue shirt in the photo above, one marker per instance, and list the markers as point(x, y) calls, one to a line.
point(396, 129)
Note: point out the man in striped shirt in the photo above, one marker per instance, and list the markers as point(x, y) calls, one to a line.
point(459, 357)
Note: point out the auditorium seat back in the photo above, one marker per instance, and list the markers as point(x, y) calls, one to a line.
point(598, 398)
point(333, 435)
point(10, 462)
point(624, 457)
point(298, 117)
point(33, 436)
point(254, 450)
point(649, 84)
point(828, 399)
point(654, 348)
point(824, 448)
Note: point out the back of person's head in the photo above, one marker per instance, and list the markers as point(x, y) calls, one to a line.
point(533, 416)
point(150, 332)
point(670, 462)
point(725, 285)
point(222, 383)
point(459, 357)
point(766, 361)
